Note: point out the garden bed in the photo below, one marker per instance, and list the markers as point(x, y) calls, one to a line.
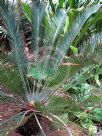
point(7, 110)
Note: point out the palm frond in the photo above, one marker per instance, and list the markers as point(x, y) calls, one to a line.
point(10, 78)
point(13, 31)
point(77, 26)
point(38, 24)
point(92, 21)
point(27, 11)
point(10, 124)
point(82, 76)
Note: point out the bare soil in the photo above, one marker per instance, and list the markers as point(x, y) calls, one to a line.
point(7, 110)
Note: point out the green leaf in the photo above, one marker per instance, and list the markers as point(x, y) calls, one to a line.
point(10, 78)
point(66, 24)
point(52, 5)
point(93, 100)
point(74, 49)
point(38, 25)
point(91, 22)
point(27, 11)
point(77, 26)
point(36, 73)
point(73, 3)
point(59, 105)
point(71, 66)
point(60, 3)
point(8, 16)
point(60, 21)
point(97, 114)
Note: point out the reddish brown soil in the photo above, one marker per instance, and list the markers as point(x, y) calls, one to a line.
point(7, 110)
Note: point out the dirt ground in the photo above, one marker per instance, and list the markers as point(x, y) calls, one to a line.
point(7, 110)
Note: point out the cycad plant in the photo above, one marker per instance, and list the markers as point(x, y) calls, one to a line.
point(35, 74)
